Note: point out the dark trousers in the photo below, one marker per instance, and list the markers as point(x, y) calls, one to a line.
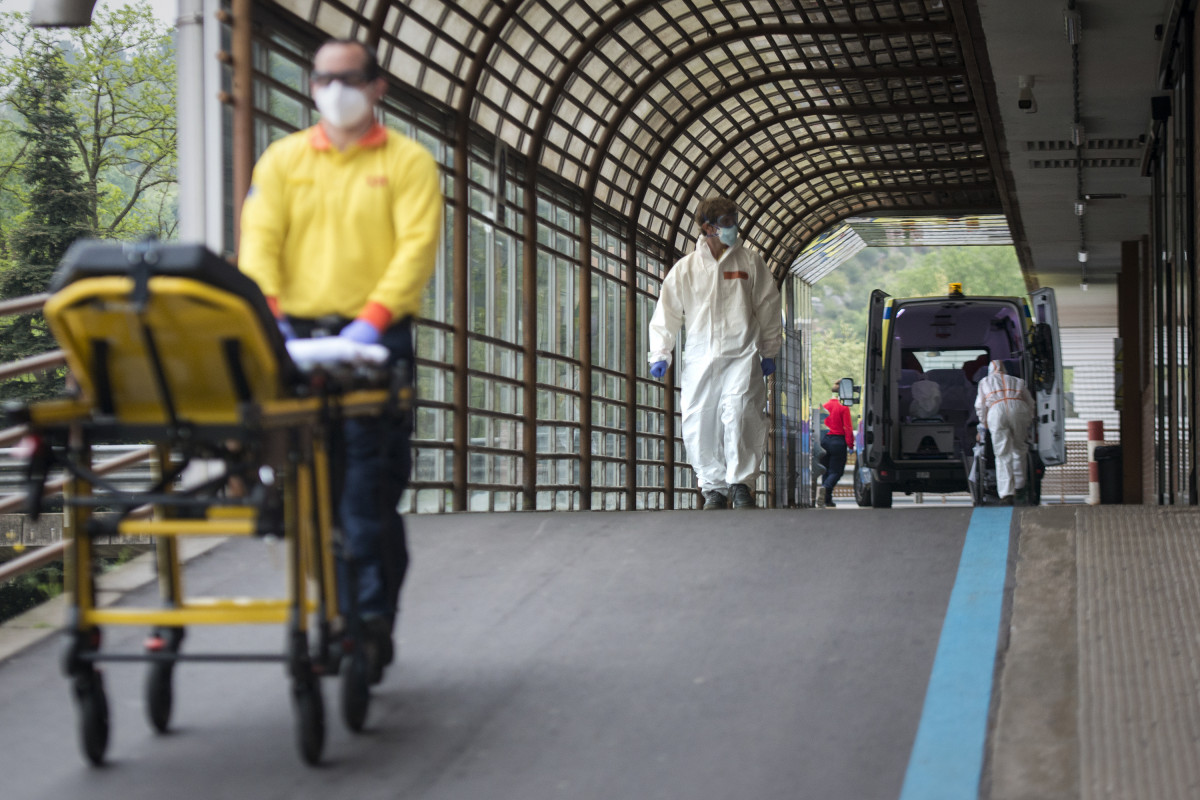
point(835, 446)
point(371, 461)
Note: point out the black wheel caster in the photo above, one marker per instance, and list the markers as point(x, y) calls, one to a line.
point(93, 716)
point(355, 690)
point(159, 695)
point(310, 719)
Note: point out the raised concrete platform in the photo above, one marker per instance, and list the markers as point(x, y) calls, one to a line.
point(1099, 690)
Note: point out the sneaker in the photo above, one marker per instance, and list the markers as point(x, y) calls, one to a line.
point(741, 496)
point(713, 500)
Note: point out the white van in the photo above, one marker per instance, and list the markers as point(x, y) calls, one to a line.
point(925, 356)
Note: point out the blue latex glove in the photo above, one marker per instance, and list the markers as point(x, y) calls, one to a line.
point(285, 328)
point(768, 366)
point(360, 331)
point(658, 369)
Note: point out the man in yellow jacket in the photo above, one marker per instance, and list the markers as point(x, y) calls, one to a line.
point(340, 230)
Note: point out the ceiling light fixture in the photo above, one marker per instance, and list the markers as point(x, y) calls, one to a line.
point(1073, 23)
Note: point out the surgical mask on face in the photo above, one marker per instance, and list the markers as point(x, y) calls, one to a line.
point(727, 235)
point(341, 105)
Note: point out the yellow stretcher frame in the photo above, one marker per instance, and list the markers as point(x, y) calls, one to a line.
point(184, 363)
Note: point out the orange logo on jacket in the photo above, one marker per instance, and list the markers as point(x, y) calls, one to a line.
point(739, 275)
point(377, 180)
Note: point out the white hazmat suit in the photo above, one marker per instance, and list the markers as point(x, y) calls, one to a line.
point(1006, 408)
point(733, 313)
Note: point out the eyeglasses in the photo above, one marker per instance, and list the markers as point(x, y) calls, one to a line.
point(356, 78)
point(724, 221)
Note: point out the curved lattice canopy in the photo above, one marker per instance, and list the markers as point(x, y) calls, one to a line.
point(805, 113)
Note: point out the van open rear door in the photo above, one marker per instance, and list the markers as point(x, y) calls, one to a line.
point(875, 414)
point(1047, 384)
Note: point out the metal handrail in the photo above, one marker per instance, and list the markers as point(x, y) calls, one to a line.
point(103, 468)
point(55, 358)
point(53, 552)
point(31, 561)
point(20, 305)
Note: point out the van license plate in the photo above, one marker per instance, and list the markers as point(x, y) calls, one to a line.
point(922, 474)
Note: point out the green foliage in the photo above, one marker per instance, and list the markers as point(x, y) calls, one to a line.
point(57, 213)
point(841, 298)
point(34, 588)
point(31, 589)
point(120, 92)
point(87, 148)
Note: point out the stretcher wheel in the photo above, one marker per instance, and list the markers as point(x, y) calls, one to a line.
point(310, 719)
point(159, 695)
point(93, 715)
point(356, 691)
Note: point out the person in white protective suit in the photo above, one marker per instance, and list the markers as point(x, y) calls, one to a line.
point(1005, 407)
point(734, 330)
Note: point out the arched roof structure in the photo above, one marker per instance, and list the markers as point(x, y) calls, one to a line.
point(601, 125)
point(805, 113)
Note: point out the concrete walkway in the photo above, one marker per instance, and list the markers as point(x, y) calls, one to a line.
point(1097, 692)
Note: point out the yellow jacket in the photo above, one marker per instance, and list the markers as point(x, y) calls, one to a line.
point(351, 232)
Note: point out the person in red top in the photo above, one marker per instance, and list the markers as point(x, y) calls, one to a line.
point(837, 442)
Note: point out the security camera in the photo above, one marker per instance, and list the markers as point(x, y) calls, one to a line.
point(1025, 99)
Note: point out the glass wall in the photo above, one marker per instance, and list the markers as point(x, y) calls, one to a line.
point(792, 400)
point(636, 460)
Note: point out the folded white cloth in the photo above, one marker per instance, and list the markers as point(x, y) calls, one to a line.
point(332, 350)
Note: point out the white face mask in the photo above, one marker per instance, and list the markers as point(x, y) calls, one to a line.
point(342, 106)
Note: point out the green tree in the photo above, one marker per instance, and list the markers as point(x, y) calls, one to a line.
point(120, 79)
point(59, 203)
point(13, 148)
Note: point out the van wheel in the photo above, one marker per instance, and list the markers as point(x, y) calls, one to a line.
point(862, 491)
point(881, 496)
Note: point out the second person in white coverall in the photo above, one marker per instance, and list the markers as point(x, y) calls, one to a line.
point(1005, 407)
point(732, 308)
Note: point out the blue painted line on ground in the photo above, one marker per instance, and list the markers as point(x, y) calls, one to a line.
point(947, 756)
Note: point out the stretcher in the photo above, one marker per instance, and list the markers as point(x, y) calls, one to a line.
point(168, 344)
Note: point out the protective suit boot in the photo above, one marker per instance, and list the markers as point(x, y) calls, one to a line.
point(713, 500)
point(1022, 496)
point(741, 496)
